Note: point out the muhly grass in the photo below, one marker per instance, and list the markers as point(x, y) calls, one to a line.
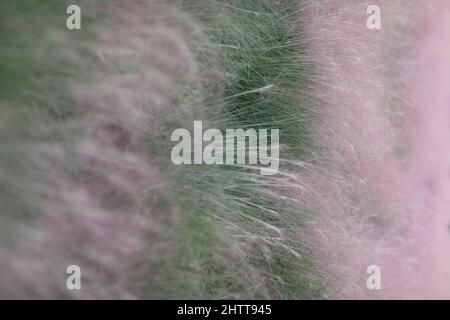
point(78, 186)
point(261, 80)
point(88, 119)
point(85, 171)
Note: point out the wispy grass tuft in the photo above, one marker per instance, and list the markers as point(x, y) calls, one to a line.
point(260, 80)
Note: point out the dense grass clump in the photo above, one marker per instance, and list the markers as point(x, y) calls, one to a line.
point(264, 69)
point(250, 242)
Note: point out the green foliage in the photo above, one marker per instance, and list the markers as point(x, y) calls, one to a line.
point(263, 78)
